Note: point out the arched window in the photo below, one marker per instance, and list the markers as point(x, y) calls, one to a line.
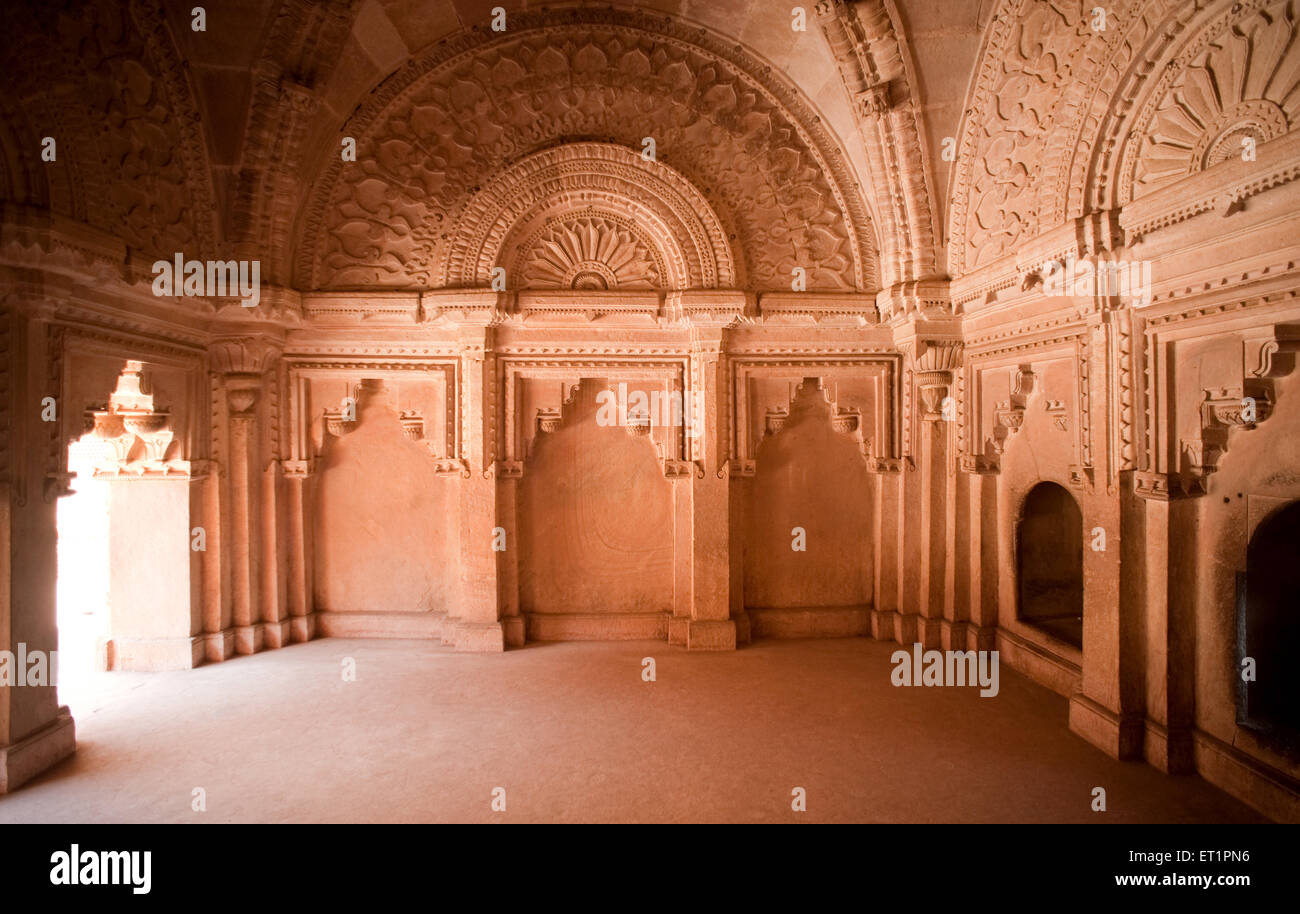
point(1049, 563)
point(1268, 628)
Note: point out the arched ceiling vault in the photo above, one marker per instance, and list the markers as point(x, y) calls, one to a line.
point(826, 149)
point(776, 180)
point(216, 142)
point(1071, 116)
point(126, 151)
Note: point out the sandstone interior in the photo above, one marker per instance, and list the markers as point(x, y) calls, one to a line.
point(969, 324)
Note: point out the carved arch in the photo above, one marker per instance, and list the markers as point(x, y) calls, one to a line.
point(876, 65)
point(1063, 120)
point(604, 185)
point(1217, 76)
point(1034, 73)
point(131, 157)
point(476, 103)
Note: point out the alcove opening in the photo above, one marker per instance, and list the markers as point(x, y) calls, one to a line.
point(1049, 563)
point(1268, 630)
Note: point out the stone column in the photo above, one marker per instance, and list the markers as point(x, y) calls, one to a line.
point(218, 637)
point(302, 618)
point(242, 365)
point(711, 627)
point(683, 562)
point(887, 532)
point(1163, 527)
point(982, 580)
point(477, 623)
point(1108, 708)
point(241, 398)
point(273, 559)
point(35, 732)
point(512, 620)
point(935, 363)
point(905, 514)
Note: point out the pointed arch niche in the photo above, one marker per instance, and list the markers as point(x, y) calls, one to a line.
point(1268, 630)
point(596, 524)
point(385, 525)
point(808, 549)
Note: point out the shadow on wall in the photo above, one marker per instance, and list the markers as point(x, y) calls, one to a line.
point(386, 538)
point(812, 477)
point(595, 518)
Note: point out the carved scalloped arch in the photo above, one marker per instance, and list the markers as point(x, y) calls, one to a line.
point(1063, 120)
point(688, 238)
point(1228, 72)
point(475, 104)
point(131, 156)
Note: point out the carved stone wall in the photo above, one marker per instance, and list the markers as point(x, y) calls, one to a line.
point(863, 259)
point(385, 520)
point(443, 124)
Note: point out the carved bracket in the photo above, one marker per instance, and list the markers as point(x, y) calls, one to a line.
point(1009, 415)
point(979, 464)
point(1082, 477)
point(1222, 410)
point(936, 360)
point(1167, 486)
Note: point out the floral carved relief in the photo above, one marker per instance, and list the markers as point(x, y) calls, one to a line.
point(1233, 88)
point(435, 131)
point(1030, 59)
point(131, 158)
point(589, 253)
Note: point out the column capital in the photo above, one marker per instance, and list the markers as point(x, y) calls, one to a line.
point(915, 301)
point(250, 354)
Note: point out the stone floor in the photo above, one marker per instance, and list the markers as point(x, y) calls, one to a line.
point(573, 734)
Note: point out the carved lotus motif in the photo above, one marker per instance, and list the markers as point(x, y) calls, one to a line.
point(548, 420)
point(1218, 106)
point(775, 420)
point(589, 253)
point(336, 425)
point(638, 422)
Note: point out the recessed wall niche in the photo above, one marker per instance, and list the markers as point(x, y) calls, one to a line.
point(385, 533)
point(596, 526)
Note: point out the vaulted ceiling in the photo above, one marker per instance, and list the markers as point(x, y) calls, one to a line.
point(889, 140)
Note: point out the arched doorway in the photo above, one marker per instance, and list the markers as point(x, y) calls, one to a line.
point(1268, 628)
point(1049, 563)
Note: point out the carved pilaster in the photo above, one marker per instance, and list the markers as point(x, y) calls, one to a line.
point(243, 366)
